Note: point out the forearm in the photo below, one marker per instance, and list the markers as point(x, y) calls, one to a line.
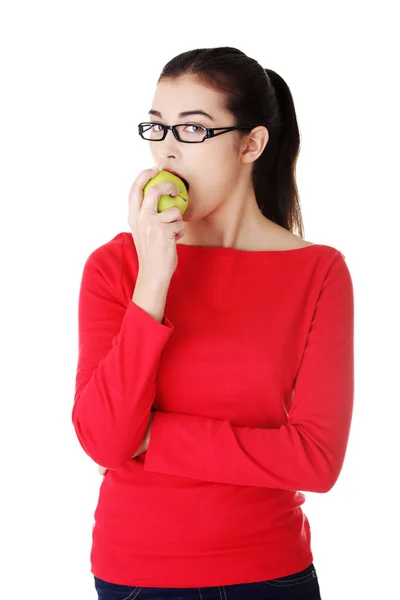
point(151, 296)
point(143, 446)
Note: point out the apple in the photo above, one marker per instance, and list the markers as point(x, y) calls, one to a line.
point(166, 201)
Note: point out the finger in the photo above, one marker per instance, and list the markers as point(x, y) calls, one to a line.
point(135, 195)
point(180, 234)
point(150, 201)
point(170, 215)
point(176, 229)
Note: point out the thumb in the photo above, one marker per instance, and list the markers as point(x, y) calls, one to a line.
point(153, 195)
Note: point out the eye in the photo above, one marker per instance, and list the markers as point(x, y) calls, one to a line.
point(155, 125)
point(197, 128)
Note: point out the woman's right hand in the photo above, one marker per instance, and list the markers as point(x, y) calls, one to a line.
point(155, 234)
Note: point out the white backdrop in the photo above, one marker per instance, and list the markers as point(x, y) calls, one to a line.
point(76, 78)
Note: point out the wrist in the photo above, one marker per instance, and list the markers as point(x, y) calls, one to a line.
point(156, 284)
point(151, 296)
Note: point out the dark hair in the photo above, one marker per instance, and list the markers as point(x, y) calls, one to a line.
point(254, 96)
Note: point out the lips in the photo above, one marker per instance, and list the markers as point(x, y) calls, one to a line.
point(180, 177)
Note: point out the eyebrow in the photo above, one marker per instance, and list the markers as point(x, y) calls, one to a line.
point(181, 115)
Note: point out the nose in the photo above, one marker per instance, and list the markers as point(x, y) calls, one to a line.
point(168, 147)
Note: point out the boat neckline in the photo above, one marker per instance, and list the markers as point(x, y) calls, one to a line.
point(239, 251)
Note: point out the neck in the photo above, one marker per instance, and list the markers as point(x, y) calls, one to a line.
point(230, 225)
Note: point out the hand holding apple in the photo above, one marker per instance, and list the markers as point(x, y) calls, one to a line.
point(155, 233)
point(166, 201)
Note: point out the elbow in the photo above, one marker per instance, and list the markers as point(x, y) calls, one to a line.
point(322, 483)
point(330, 481)
point(104, 451)
point(320, 478)
point(113, 459)
point(101, 455)
point(323, 469)
point(109, 441)
point(318, 487)
point(323, 487)
point(110, 464)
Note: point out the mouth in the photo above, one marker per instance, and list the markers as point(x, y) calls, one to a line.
point(180, 177)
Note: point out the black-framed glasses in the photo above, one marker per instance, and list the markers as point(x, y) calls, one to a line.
point(188, 133)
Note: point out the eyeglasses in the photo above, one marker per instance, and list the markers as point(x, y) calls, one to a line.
point(187, 133)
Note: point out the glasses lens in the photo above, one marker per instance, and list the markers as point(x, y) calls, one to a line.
point(191, 133)
point(187, 132)
point(152, 131)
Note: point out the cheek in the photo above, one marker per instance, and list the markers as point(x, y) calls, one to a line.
point(155, 153)
point(215, 158)
point(216, 168)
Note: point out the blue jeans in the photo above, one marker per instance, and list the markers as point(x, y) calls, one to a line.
point(298, 586)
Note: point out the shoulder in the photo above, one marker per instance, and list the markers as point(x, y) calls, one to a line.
point(275, 237)
point(114, 265)
point(325, 261)
point(291, 241)
point(105, 263)
point(282, 239)
point(109, 251)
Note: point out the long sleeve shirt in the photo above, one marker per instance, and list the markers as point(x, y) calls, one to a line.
point(250, 377)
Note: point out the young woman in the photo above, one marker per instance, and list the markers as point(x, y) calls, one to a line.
point(215, 370)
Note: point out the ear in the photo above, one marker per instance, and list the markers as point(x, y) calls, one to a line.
point(254, 143)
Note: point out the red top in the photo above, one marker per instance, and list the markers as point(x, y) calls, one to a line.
point(251, 378)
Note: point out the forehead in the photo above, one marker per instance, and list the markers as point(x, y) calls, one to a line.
point(173, 96)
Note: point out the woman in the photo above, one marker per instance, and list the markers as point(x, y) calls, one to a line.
point(215, 371)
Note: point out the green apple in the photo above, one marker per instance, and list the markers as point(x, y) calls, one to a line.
point(166, 201)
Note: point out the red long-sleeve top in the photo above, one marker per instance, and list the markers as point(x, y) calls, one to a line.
point(250, 375)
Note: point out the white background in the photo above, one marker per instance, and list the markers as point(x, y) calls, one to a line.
point(76, 78)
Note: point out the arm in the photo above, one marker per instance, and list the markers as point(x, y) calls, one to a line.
point(308, 452)
point(119, 352)
point(142, 448)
